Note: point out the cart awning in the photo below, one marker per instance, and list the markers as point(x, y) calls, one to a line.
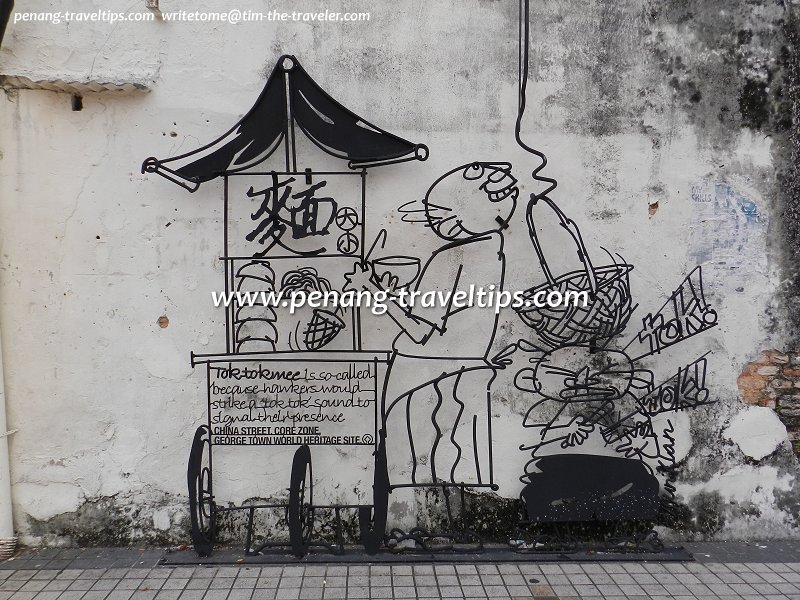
point(291, 100)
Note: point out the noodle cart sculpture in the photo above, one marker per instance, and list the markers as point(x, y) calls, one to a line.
point(601, 421)
point(285, 230)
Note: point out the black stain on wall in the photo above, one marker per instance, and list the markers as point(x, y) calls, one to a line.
point(107, 521)
point(788, 153)
point(734, 66)
point(702, 517)
point(754, 104)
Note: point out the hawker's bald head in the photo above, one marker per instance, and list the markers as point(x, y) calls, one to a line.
point(470, 200)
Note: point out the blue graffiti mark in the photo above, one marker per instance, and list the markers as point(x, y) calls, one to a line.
point(749, 209)
point(725, 197)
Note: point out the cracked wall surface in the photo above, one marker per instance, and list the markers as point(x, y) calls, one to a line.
point(672, 127)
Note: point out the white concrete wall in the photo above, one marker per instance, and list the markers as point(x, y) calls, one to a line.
point(92, 252)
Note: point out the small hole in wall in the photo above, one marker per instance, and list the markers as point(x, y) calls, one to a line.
point(77, 102)
point(163, 321)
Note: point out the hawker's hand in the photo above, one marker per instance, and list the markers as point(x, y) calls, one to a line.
point(359, 278)
point(633, 443)
point(504, 358)
point(577, 432)
point(388, 282)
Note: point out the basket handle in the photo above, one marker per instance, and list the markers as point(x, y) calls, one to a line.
point(574, 233)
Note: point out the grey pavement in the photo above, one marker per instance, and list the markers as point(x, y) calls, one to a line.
point(720, 570)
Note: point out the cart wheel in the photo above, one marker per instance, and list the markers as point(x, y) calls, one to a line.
point(202, 510)
point(372, 521)
point(301, 511)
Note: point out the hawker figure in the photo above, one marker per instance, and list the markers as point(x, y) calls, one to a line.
point(435, 406)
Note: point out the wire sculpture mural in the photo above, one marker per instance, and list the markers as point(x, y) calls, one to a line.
point(608, 288)
point(254, 327)
point(582, 384)
point(290, 100)
point(602, 429)
point(281, 211)
point(286, 230)
point(5, 14)
point(439, 368)
point(317, 330)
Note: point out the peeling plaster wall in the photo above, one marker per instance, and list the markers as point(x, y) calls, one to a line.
point(671, 127)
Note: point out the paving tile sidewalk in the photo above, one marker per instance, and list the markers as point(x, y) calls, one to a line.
point(728, 571)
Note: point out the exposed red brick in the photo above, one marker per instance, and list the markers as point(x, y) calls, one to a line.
point(773, 357)
point(768, 370)
point(773, 381)
point(751, 385)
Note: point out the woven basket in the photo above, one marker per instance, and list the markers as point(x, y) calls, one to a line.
point(321, 329)
point(605, 315)
point(608, 288)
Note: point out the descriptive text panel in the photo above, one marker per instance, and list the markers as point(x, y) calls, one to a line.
point(282, 404)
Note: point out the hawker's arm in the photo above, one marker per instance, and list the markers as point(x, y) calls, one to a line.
point(418, 329)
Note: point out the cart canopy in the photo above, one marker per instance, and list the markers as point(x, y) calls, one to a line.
point(290, 100)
